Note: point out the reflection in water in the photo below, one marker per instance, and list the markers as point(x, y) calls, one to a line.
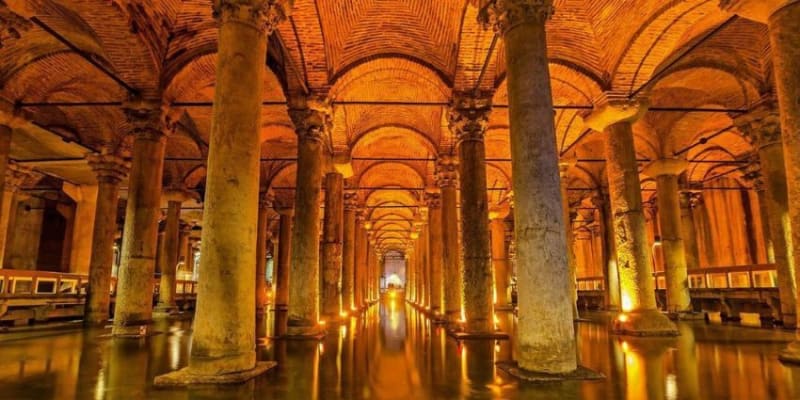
point(394, 352)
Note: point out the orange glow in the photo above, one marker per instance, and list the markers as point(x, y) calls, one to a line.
point(343, 314)
point(622, 318)
point(627, 303)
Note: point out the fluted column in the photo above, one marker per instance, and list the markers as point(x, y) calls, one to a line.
point(349, 252)
point(311, 125)
point(223, 341)
point(666, 173)
point(110, 170)
point(545, 340)
point(447, 179)
point(166, 295)
point(134, 301)
point(762, 127)
point(500, 265)
point(615, 116)
point(434, 202)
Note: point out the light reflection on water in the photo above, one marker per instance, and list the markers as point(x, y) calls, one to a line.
point(397, 353)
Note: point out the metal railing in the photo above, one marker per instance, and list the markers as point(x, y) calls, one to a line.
point(734, 277)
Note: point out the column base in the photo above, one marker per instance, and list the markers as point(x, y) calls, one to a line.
point(185, 376)
point(644, 323)
point(132, 331)
point(686, 316)
point(304, 333)
point(580, 374)
point(164, 310)
point(503, 307)
point(791, 354)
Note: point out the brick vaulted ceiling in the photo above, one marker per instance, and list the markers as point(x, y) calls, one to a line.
point(681, 53)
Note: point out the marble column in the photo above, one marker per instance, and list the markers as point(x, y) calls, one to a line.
point(349, 252)
point(223, 341)
point(433, 201)
point(284, 251)
point(166, 294)
point(469, 117)
point(610, 272)
point(572, 262)
point(615, 116)
point(500, 265)
point(311, 123)
point(14, 176)
point(447, 179)
point(666, 173)
point(25, 233)
point(545, 341)
point(688, 200)
point(262, 237)
point(85, 197)
point(762, 127)
point(332, 233)
point(360, 263)
point(110, 170)
point(414, 256)
point(133, 307)
point(5, 148)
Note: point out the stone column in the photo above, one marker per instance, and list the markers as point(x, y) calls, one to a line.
point(424, 260)
point(500, 266)
point(5, 148)
point(284, 251)
point(666, 173)
point(611, 274)
point(545, 339)
point(762, 127)
point(371, 267)
point(572, 261)
point(349, 252)
point(262, 236)
point(360, 263)
point(223, 342)
point(637, 285)
point(447, 179)
point(166, 295)
point(183, 246)
point(85, 197)
point(14, 176)
point(134, 297)
point(688, 200)
point(413, 261)
point(469, 117)
point(110, 170)
point(311, 124)
point(332, 233)
point(25, 233)
point(433, 200)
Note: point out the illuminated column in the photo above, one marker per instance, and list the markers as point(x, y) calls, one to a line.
point(85, 197)
point(25, 233)
point(349, 251)
point(110, 170)
point(447, 179)
point(762, 127)
point(5, 148)
point(637, 285)
point(469, 117)
point(311, 125)
point(284, 251)
point(372, 265)
point(265, 205)
point(545, 339)
point(666, 173)
point(434, 202)
point(166, 294)
point(223, 341)
point(360, 263)
point(688, 200)
point(332, 233)
point(572, 262)
point(414, 257)
point(424, 259)
point(134, 300)
point(500, 266)
point(610, 272)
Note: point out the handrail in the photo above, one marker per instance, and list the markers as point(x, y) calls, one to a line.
point(726, 277)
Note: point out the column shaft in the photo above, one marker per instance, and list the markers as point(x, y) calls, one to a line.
point(450, 259)
point(25, 234)
point(282, 269)
point(572, 261)
point(348, 254)
point(262, 236)
point(689, 231)
point(5, 148)
point(166, 294)
point(332, 245)
point(360, 263)
point(669, 216)
point(436, 253)
point(500, 262)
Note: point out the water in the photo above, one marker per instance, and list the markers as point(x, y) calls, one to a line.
point(396, 353)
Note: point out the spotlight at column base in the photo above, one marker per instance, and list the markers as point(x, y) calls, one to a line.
point(581, 373)
point(791, 354)
point(644, 323)
point(185, 376)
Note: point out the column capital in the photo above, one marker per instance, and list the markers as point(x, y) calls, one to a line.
point(263, 15)
point(108, 168)
point(285, 211)
point(350, 200)
point(666, 166)
point(312, 117)
point(504, 15)
point(266, 200)
point(446, 171)
point(690, 198)
point(756, 10)
point(16, 175)
point(761, 127)
point(469, 115)
point(178, 194)
point(147, 119)
point(613, 107)
point(752, 173)
point(499, 212)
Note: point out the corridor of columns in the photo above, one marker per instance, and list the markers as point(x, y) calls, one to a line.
point(416, 199)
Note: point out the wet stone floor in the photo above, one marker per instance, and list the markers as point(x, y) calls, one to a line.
point(396, 353)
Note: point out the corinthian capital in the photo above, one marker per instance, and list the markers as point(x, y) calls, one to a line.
point(761, 127)
point(469, 115)
point(446, 172)
point(147, 119)
point(311, 118)
point(504, 15)
point(264, 15)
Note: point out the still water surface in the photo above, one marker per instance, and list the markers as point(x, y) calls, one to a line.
point(396, 353)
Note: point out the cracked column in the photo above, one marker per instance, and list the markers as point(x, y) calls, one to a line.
point(311, 122)
point(166, 295)
point(433, 201)
point(500, 265)
point(332, 233)
point(133, 309)
point(615, 117)
point(447, 179)
point(349, 251)
point(762, 127)
point(666, 173)
point(545, 339)
point(469, 117)
point(110, 170)
point(223, 341)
